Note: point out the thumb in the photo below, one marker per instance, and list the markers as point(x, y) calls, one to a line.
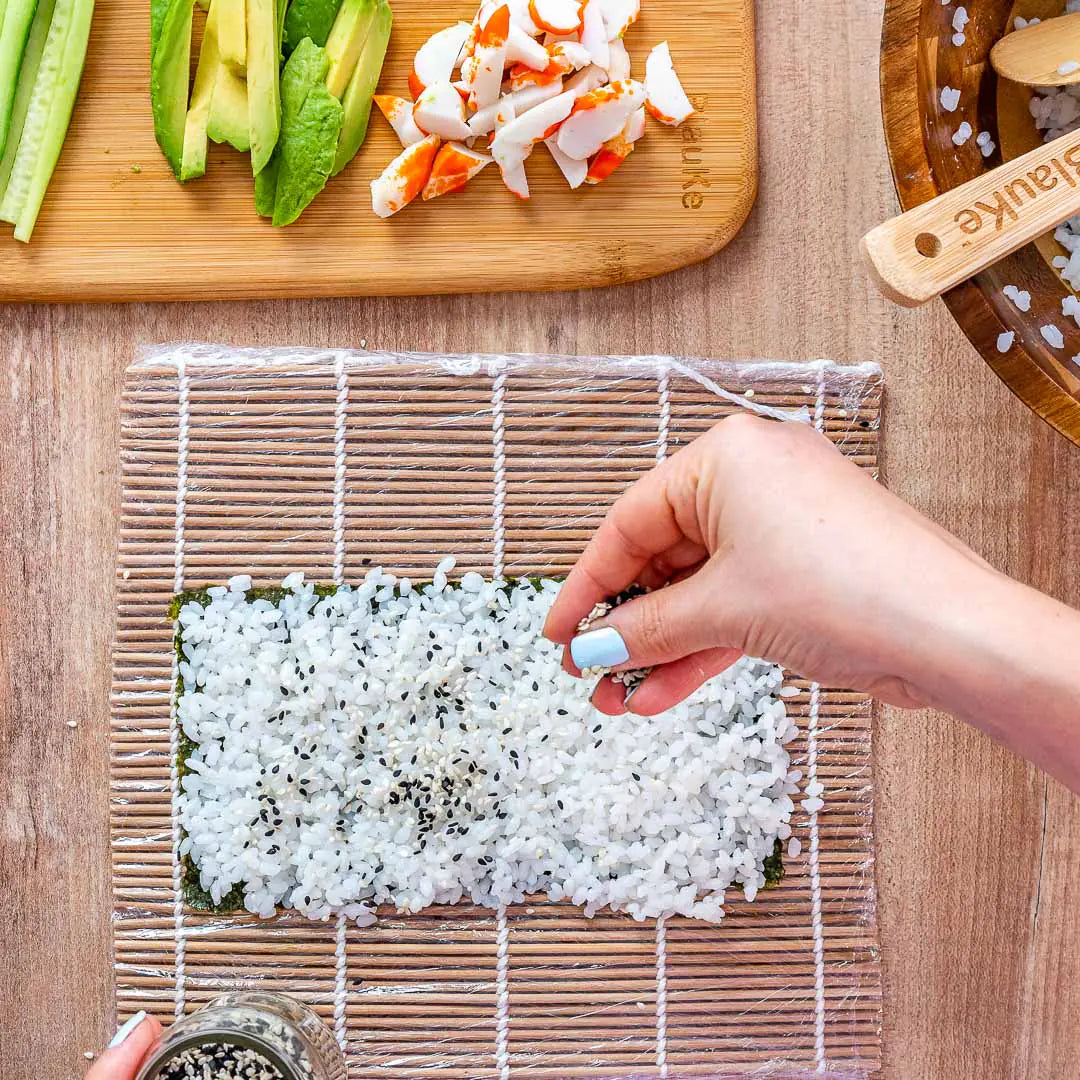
point(126, 1052)
point(654, 629)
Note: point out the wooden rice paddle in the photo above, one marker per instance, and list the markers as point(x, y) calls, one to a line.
point(934, 247)
point(1041, 55)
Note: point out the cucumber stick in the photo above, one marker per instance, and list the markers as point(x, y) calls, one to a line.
point(35, 46)
point(18, 17)
point(48, 114)
point(193, 160)
point(170, 70)
point(263, 70)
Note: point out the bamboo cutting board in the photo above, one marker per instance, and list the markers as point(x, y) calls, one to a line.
point(117, 226)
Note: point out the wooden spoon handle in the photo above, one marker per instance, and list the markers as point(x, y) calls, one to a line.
point(934, 247)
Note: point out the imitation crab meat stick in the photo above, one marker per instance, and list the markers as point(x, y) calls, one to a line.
point(620, 15)
point(489, 60)
point(455, 165)
point(399, 115)
point(598, 116)
point(594, 35)
point(404, 178)
point(667, 99)
point(525, 72)
point(438, 57)
point(440, 111)
point(556, 16)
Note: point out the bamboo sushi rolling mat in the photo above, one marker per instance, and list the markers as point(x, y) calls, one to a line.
point(328, 462)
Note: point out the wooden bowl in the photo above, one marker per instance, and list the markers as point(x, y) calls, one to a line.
point(918, 58)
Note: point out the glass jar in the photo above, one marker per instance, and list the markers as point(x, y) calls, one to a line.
point(285, 1032)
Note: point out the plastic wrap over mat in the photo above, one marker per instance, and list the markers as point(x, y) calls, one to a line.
point(266, 462)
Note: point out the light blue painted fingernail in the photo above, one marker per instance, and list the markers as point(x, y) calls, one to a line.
point(603, 648)
point(126, 1030)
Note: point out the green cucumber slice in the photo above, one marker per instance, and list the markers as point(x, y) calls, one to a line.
point(14, 30)
point(48, 115)
point(35, 46)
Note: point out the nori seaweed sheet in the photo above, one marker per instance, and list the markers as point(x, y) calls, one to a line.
point(195, 896)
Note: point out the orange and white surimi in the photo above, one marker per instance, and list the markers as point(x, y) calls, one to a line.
point(525, 72)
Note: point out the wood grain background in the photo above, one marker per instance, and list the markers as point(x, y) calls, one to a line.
point(979, 856)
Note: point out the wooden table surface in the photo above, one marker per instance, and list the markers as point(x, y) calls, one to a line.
point(979, 855)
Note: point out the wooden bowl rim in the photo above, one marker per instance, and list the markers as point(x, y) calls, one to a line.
point(915, 184)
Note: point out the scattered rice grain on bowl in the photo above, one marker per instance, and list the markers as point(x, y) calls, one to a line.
point(405, 745)
point(1057, 111)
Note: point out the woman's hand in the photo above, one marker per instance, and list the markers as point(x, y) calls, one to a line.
point(129, 1046)
point(772, 544)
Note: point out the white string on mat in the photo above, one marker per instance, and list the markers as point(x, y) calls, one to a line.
point(663, 438)
point(498, 524)
point(816, 922)
point(341, 412)
point(661, 997)
point(183, 440)
point(498, 444)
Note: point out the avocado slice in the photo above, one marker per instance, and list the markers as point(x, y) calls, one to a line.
point(311, 120)
point(309, 19)
point(264, 102)
point(35, 46)
point(362, 85)
point(158, 10)
point(346, 42)
point(232, 33)
point(193, 161)
point(15, 26)
point(169, 73)
point(228, 120)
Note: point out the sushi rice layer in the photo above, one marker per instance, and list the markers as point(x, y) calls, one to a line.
point(394, 744)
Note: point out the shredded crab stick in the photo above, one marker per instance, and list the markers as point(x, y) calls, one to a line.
point(620, 15)
point(618, 68)
point(575, 171)
point(525, 72)
point(489, 60)
point(399, 115)
point(454, 166)
point(440, 111)
point(598, 116)
point(556, 16)
point(522, 49)
point(615, 151)
point(439, 56)
point(594, 34)
point(666, 99)
point(520, 101)
point(514, 174)
point(514, 141)
point(404, 178)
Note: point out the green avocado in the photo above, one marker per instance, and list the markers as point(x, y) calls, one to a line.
point(263, 60)
point(311, 120)
point(193, 162)
point(266, 187)
point(362, 85)
point(309, 19)
point(228, 120)
point(158, 10)
point(346, 41)
point(169, 74)
point(232, 33)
